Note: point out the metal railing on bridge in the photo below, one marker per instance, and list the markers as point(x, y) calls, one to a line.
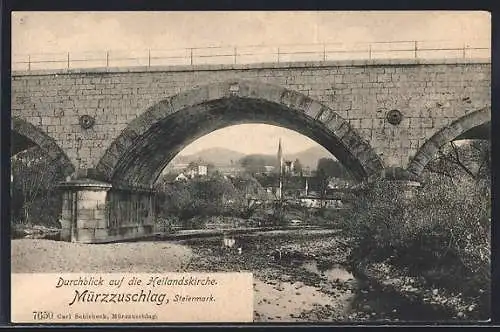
point(255, 54)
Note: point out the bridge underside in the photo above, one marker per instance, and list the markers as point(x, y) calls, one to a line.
point(153, 150)
point(20, 143)
point(480, 132)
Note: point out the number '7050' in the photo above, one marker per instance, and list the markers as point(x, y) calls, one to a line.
point(42, 315)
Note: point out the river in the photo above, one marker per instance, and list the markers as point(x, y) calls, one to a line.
point(300, 275)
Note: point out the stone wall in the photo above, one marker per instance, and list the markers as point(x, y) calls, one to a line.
point(131, 215)
point(429, 94)
point(93, 214)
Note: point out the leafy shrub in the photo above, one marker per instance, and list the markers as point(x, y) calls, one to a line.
point(35, 200)
point(440, 230)
point(200, 197)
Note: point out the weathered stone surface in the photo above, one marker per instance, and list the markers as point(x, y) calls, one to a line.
point(86, 223)
point(85, 235)
point(457, 128)
point(134, 114)
point(445, 90)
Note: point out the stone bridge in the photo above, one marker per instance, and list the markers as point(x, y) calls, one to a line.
point(116, 129)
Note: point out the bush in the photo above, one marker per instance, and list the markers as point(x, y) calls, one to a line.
point(34, 199)
point(200, 197)
point(441, 232)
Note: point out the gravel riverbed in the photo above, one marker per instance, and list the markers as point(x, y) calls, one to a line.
point(299, 276)
point(37, 255)
point(280, 295)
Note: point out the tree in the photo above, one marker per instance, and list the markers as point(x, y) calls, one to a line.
point(34, 179)
point(470, 159)
point(297, 167)
point(205, 196)
point(254, 164)
point(330, 167)
point(441, 233)
point(326, 169)
point(323, 184)
point(175, 199)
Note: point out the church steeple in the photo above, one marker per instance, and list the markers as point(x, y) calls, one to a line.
point(280, 155)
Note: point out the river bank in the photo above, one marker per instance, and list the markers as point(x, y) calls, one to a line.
point(40, 255)
point(299, 275)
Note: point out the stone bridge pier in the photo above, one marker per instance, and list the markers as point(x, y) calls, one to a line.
point(96, 212)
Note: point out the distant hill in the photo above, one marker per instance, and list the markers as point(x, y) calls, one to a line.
point(223, 157)
point(217, 156)
point(269, 159)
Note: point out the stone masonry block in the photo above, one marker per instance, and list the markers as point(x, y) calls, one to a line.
point(100, 214)
point(291, 98)
point(378, 123)
point(96, 195)
point(415, 122)
point(405, 143)
point(185, 99)
point(355, 123)
point(86, 223)
point(65, 234)
point(217, 91)
point(314, 109)
point(342, 130)
point(85, 214)
point(427, 123)
point(269, 92)
point(101, 234)
point(366, 123)
point(87, 204)
point(350, 139)
point(85, 235)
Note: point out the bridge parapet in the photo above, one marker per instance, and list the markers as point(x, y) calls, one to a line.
point(258, 54)
point(253, 66)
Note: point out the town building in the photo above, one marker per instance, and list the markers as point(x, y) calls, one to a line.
point(288, 167)
point(229, 170)
point(181, 177)
point(269, 169)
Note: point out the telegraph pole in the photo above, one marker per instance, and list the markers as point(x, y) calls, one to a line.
point(280, 190)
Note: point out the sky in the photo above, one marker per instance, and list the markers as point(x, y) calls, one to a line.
point(58, 32)
point(252, 138)
point(40, 32)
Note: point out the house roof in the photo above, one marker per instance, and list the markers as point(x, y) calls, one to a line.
point(169, 177)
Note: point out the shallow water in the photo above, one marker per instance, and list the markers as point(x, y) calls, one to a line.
point(287, 301)
point(288, 283)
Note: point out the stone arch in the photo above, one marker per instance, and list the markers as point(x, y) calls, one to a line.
point(134, 159)
point(25, 135)
point(471, 125)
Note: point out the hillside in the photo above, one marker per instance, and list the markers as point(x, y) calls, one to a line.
point(217, 156)
point(224, 157)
